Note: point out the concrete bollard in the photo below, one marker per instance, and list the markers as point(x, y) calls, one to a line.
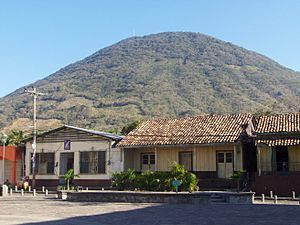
point(34, 192)
point(293, 195)
point(275, 199)
point(43, 189)
point(299, 199)
point(262, 197)
point(87, 189)
point(10, 192)
point(271, 194)
point(22, 192)
point(16, 188)
point(46, 192)
point(4, 190)
point(102, 189)
point(29, 188)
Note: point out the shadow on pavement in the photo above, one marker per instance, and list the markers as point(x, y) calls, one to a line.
point(191, 214)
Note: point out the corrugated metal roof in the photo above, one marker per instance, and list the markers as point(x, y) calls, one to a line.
point(94, 132)
point(203, 129)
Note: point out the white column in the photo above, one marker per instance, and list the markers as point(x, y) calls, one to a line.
point(235, 159)
point(258, 161)
point(156, 161)
point(76, 162)
point(194, 159)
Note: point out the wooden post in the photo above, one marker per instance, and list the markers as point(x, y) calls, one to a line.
point(262, 197)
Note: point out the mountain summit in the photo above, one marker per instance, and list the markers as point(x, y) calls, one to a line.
point(161, 75)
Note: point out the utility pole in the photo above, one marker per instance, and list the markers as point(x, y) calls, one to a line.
point(3, 140)
point(35, 94)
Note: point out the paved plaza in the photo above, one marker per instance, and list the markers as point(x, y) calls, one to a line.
point(40, 210)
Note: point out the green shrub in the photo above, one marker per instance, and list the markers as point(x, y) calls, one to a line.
point(124, 180)
point(188, 180)
point(156, 181)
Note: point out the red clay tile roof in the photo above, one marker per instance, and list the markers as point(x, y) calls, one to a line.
point(279, 123)
point(279, 141)
point(202, 129)
point(280, 129)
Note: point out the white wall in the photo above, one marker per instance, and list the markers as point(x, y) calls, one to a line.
point(112, 154)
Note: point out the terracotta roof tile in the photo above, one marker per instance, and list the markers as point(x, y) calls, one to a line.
point(280, 129)
point(279, 123)
point(192, 130)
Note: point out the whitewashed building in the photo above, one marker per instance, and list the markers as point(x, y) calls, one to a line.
point(92, 154)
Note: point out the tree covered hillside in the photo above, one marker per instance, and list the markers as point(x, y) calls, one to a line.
point(161, 75)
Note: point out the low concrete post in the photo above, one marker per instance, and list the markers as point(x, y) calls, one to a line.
point(4, 190)
point(16, 188)
point(29, 188)
point(271, 194)
point(10, 192)
point(22, 192)
point(294, 195)
point(46, 192)
point(299, 199)
point(262, 197)
point(275, 199)
point(34, 192)
point(43, 189)
point(102, 189)
point(87, 189)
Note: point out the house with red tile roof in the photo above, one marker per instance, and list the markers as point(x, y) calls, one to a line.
point(278, 154)
point(212, 146)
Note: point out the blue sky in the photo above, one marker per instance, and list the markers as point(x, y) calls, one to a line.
point(38, 37)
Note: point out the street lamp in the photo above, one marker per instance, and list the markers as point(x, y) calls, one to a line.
point(3, 138)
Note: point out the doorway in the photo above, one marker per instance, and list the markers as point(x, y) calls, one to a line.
point(282, 158)
point(224, 164)
point(148, 161)
point(66, 163)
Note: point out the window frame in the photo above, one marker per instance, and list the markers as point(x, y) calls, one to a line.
point(98, 164)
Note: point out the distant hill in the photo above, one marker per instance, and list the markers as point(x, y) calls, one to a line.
point(161, 75)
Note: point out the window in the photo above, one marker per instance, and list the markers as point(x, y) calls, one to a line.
point(220, 157)
point(229, 157)
point(44, 163)
point(186, 159)
point(93, 162)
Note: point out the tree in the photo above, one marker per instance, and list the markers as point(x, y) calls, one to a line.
point(15, 137)
point(129, 127)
